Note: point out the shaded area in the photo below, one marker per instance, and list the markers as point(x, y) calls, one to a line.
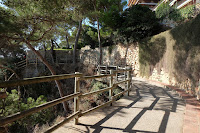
point(187, 49)
point(141, 92)
point(151, 51)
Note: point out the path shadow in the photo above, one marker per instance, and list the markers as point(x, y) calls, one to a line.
point(139, 87)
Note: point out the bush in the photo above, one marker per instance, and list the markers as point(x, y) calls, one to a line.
point(104, 95)
point(14, 104)
point(163, 10)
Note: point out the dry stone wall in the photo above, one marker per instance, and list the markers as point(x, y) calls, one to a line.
point(123, 55)
point(120, 55)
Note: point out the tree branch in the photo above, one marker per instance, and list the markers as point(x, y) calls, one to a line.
point(10, 70)
point(42, 35)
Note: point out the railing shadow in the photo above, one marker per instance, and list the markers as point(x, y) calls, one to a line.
point(100, 125)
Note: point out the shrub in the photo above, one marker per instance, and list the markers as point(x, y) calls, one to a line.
point(163, 10)
point(104, 96)
point(14, 104)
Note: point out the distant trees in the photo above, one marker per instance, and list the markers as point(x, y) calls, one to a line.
point(136, 22)
point(99, 10)
point(29, 22)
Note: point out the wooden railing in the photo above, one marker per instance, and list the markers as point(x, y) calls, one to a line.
point(106, 69)
point(77, 95)
point(35, 61)
point(29, 61)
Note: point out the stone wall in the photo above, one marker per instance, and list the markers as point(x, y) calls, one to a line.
point(120, 55)
point(123, 55)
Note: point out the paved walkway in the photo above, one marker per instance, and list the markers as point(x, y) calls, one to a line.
point(150, 108)
point(192, 112)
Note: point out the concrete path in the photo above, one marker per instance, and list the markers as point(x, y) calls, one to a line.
point(150, 108)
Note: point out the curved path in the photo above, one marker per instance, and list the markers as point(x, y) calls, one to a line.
point(150, 108)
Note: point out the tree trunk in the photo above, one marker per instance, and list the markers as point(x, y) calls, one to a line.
point(10, 70)
point(45, 54)
point(99, 39)
point(52, 72)
point(67, 46)
point(53, 55)
point(76, 42)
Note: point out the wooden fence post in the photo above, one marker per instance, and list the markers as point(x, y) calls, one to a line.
point(106, 69)
point(116, 73)
point(76, 99)
point(111, 84)
point(129, 80)
point(99, 69)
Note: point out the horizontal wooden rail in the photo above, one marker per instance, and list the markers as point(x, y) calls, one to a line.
point(54, 127)
point(122, 70)
point(96, 76)
point(96, 92)
point(21, 61)
point(95, 108)
point(122, 82)
point(20, 115)
point(34, 80)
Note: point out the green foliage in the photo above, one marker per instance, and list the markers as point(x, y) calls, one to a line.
point(138, 22)
point(96, 85)
point(14, 104)
point(112, 17)
point(163, 10)
point(90, 36)
point(9, 23)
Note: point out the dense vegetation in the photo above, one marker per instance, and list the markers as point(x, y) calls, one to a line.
point(46, 25)
point(164, 11)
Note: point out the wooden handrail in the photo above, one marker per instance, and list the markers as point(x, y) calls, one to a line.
point(96, 76)
point(20, 115)
point(96, 92)
point(21, 62)
point(54, 127)
point(34, 80)
point(122, 82)
point(122, 70)
point(95, 108)
point(77, 95)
